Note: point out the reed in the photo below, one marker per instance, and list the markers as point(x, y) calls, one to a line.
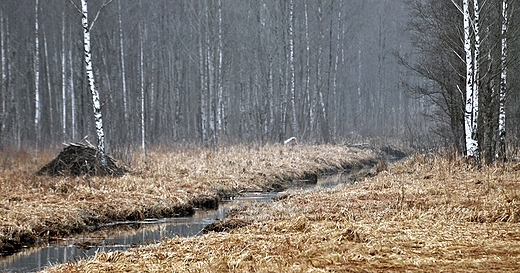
point(426, 214)
point(171, 183)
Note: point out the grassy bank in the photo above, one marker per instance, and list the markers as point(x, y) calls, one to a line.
point(169, 184)
point(427, 214)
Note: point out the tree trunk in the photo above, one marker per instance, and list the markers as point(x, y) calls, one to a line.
point(92, 86)
point(292, 91)
point(37, 114)
point(123, 68)
point(471, 140)
point(220, 79)
point(141, 76)
point(308, 70)
point(476, 73)
point(3, 84)
point(49, 86)
point(63, 78)
point(501, 149)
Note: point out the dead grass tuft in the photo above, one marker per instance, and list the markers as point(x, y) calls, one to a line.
point(171, 183)
point(428, 213)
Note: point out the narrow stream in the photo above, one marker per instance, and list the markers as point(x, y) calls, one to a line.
point(124, 235)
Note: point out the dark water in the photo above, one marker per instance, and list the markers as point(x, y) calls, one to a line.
point(124, 235)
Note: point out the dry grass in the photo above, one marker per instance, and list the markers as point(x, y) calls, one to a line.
point(427, 214)
point(170, 184)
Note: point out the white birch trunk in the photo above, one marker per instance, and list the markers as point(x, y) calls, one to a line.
point(91, 83)
point(476, 72)
point(49, 87)
point(37, 113)
point(63, 79)
point(292, 91)
point(141, 75)
point(312, 117)
point(500, 153)
point(72, 94)
point(203, 112)
point(471, 142)
point(123, 67)
point(270, 87)
point(220, 110)
point(3, 94)
point(319, 77)
point(359, 76)
point(335, 75)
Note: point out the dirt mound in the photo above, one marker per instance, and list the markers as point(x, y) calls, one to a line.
point(80, 159)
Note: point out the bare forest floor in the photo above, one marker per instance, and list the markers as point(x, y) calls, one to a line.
point(429, 213)
point(171, 184)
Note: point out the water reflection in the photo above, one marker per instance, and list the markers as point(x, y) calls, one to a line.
point(124, 235)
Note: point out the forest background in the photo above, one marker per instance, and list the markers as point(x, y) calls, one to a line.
point(217, 71)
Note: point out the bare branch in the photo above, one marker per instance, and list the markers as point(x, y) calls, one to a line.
point(76, 7)
point(105, 4)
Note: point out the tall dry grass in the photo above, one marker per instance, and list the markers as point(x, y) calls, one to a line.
point(171, 183)
point(426, 214)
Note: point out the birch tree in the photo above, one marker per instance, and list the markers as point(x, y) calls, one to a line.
point(3, 80)
point(471, 102)
point(501, 149)
point(63, 78)
point(123, 68)
point(292, 79)
point(37, 114)
point(98, 117)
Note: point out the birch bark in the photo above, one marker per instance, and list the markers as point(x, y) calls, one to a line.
point(49, 87)
point(220, 104)
point(308, 69)
point(37, 113)
point(92, 86)
point(63, 78)
point(471, 142)
point(500, 153)
point(202, 77)
point(291, 67)
point(141, 76)
point(122, 57)
point(3, 86)
point(476, 74)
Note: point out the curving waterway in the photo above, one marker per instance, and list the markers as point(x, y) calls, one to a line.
point(128, 234)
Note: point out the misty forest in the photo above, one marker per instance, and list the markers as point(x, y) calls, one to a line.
point(219, 71)
point(259, 135)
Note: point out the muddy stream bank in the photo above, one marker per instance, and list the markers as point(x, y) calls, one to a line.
point(127, 234)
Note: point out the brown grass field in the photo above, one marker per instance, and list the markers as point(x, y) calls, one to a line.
point(170, 184)
point(429, 213)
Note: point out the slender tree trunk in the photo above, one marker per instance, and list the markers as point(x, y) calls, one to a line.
point(334, 76)
point(3, 85)
point(476, 73)
point(292, 87)
point(471, 141)
point(72, 94)
point(319, 77)
point(63, 78)
point(123, 67)
point(49, 85)
point(220, 79)
point(37, 114)
point(501, 149)
point(141, 76)
point(310, 98)
point(91, 83)
point(211, 76)
point(202, 78)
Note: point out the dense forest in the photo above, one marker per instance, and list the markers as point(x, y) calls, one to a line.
point(224, 71)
